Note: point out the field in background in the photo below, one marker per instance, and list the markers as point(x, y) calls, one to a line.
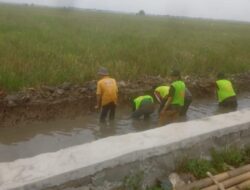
point(50, 46)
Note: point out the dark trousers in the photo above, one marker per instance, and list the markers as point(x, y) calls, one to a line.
point(187, 103)
point(108, 109)
point(230, 102)
point(146, 109)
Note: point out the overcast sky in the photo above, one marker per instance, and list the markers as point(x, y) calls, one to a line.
point(218, 9)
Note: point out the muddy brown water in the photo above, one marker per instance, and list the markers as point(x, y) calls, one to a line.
point(32, 138)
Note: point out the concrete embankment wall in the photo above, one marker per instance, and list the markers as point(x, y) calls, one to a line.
point(103, 164)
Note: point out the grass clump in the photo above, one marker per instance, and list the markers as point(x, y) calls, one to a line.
point(198, 167)
point(133, 182)
point(220, 161)
point(229, 156)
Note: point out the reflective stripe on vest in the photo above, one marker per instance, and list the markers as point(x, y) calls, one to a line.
point(179, 94)
point(163, 91)
point(138, 100)
point(225, 89)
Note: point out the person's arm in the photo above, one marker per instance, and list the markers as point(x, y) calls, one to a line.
point(165, 107)
point(169, 99)
point(158, 96)
point(98, 101)
point(98, 96)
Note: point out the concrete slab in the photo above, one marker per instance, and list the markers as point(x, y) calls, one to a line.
point(78, 162)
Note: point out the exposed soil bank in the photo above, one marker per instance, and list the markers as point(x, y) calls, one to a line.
point(69, 100)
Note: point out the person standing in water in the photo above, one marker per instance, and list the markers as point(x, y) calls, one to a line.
point(225, 92)
point(175, 100)
point(107, 95)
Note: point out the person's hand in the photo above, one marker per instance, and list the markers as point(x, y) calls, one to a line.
point(97, 107)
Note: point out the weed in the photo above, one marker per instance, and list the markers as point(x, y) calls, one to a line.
point(133, 182)
point(198, 167)
point(231, 156)
point(220, 161)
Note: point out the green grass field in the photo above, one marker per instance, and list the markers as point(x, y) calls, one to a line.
point(48, 46)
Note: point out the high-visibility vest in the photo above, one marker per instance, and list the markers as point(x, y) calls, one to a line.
point(139, 99)
point(163, 91)
point(225, 89)
point(179, 94)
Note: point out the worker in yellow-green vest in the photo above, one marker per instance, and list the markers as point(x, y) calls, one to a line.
point(225, 92)
point(161, 92)
point(142, 106)
point(175, 100)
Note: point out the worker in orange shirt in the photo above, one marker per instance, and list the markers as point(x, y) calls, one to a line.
point(106, 95)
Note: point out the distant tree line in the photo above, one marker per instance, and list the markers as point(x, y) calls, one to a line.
point(141, 13)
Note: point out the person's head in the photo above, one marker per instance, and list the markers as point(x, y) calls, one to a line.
point(175, 75)
point(102, 72)
point(221, 75)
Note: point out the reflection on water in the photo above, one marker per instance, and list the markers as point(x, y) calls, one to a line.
point(29, 139)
